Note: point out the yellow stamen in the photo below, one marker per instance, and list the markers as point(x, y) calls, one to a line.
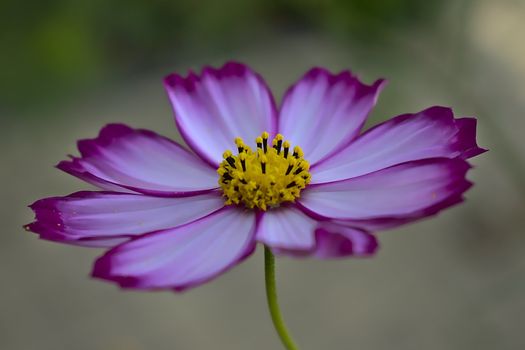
point(265, 178)
point(241, 147)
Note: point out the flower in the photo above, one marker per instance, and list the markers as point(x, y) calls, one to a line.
point(302, 178)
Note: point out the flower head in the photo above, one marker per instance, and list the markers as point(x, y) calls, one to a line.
point(303, 178)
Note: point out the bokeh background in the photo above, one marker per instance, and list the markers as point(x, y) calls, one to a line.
point(453, 282)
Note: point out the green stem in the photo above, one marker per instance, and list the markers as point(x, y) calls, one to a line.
point(273, 305)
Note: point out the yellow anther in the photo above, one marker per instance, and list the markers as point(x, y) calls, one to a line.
point(241, 147)
point(239, 142)
point(298, 151)
point(264, 178)
point(300, 182)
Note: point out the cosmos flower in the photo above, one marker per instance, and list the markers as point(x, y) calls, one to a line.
point(302, 178)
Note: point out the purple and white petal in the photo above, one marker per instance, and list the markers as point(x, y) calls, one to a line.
point(286, 228)
point(183, 257)
point(140, 161)
point(390, 222)
point(323, 112)
point(410, 189)
point(430, 133)
point(215, 107)
point(336, 241)
point(467, 137)
point(105, 219)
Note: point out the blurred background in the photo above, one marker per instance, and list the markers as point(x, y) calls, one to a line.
point(453, 282)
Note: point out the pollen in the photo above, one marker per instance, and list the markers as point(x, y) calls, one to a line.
point(265, 177)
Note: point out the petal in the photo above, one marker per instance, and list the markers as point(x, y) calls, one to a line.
point(430, 133)
point(336, 241)
point(105, 219)
point(214, 108)
point(286, 228)
point(414, 189)
point(141, 161)
point(386, 223)
point(323, 112)
point(467, 138)
point(290, 232)
point(182, 257)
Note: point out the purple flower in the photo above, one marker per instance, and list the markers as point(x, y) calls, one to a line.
point(302, 178)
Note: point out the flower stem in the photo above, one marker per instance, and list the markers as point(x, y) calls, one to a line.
point(273, 305)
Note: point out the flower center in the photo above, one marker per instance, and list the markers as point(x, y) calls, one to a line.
point(265, 177)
